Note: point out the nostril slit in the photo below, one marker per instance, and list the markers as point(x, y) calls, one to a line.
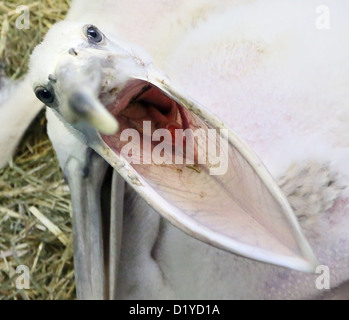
point(52, 78)
point(73, 52)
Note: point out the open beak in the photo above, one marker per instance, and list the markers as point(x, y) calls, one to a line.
point(217, 191)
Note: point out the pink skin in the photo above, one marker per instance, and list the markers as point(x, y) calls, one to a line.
point(137, 103)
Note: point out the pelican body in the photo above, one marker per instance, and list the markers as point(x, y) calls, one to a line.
point(260, 73)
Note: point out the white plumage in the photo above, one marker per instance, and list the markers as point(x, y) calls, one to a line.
point(281, 84)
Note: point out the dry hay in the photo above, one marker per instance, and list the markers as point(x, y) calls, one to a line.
point(35, 208)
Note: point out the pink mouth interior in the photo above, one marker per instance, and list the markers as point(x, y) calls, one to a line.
point(139, 102)
point(152, 105)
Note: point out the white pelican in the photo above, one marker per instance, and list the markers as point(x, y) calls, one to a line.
point(270, 74)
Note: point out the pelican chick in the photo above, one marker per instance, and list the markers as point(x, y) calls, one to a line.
point(97, 85)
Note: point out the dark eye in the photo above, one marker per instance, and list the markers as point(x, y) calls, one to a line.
point(44, 95)
point(93, 34)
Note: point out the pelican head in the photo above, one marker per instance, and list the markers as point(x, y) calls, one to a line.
point(86, 78)
point(99, 86)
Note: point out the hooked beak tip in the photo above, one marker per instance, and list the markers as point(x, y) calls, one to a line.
point(105, 123)
point(88, 108)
